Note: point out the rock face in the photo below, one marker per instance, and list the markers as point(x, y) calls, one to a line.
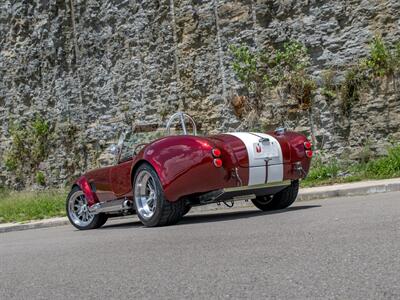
point(98, 66)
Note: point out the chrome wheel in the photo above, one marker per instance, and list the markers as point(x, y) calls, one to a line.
point(78, 209)
point(145, 194)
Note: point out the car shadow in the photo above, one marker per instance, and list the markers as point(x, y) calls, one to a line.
point(213, 217)
point(234, 215)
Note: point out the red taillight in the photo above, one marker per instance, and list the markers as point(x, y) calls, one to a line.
point(216, 152)
point(218, 162)
point(307, 145)
point(309, 153)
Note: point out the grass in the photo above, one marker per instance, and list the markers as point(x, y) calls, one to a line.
point(25, 206)
point(334, 172)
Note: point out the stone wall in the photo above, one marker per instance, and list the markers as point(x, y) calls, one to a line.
point(98, 66)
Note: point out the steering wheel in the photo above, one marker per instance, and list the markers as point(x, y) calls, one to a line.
point(181, 116)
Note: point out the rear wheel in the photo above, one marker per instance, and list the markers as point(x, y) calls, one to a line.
point(280, 200)
point(152, 208)
point(78, 211)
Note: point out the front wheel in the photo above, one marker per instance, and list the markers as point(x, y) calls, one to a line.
point(152, 208)
point(280, 200)
point(78, 211)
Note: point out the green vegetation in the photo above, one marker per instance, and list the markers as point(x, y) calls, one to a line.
point(262, 71)
point(25, 206)
point(329, 87)
point(382, 61)
point(354, 80)
point(40, 178)
point(265, 70)
point(335, 172)
point(29, 146)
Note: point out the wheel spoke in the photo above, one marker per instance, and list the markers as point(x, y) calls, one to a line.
point(145, 194)
point(78, 210)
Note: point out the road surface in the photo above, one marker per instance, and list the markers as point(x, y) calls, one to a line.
point(342, 248)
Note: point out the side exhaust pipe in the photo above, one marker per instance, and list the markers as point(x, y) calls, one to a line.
point(115, 206)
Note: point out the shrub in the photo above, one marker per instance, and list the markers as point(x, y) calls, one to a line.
point(354, 80)
point(381, 61)
point(29, 146)
point(245, 65)
point(261, 71)
point(380, 58)
point(40, 178)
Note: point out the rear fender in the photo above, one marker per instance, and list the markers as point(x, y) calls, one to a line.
point(184, 165)
point(292, 145)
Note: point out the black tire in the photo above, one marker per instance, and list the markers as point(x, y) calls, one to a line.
point(165, 212)
point(280, 200)
point(97, 221)
point(186, 209)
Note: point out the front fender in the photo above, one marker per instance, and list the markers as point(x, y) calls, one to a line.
point(84, 185)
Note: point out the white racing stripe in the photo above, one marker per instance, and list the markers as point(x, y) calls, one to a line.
point(257, 161)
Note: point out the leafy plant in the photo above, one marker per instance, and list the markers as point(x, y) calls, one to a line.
point(381, 61)
point(292, 59)
point(354, 79)
point(245, 65)
point(40, 178)
point(29, 146)
point(264, 70)
point(380, 58)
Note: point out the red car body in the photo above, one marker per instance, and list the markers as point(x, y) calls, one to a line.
point(186, 166)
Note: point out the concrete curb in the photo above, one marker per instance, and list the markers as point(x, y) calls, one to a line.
point(306, 194)
point(33, 225)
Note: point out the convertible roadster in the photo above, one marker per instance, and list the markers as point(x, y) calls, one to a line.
point(161, 180)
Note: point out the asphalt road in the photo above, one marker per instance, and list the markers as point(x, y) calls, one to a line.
point(343, 248)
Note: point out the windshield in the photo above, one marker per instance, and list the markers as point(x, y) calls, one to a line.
point(142, 134)
point(135, 140)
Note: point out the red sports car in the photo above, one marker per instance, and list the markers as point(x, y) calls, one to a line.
point(161, 180)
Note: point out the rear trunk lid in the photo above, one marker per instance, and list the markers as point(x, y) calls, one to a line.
point(251, 149)
point(260, 153)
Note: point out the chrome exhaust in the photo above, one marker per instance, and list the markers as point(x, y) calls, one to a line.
point(115, 206)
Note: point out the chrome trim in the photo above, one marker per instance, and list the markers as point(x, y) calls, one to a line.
point(111, 206)
point(257, 186)
point(238, 177)
point(280, 130)
point(78, 209)
point(145, 194)
point(181, 116)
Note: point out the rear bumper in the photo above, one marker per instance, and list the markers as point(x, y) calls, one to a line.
point(243, 192)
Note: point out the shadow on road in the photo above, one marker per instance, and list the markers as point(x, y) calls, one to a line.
point(234, 215)
point(215, 217)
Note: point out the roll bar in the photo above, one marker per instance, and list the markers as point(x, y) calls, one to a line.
point(181, 116)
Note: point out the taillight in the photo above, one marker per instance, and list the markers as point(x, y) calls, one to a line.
point(217, 162)
point(307, 145)
point(216, 152)
point(309, 153)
